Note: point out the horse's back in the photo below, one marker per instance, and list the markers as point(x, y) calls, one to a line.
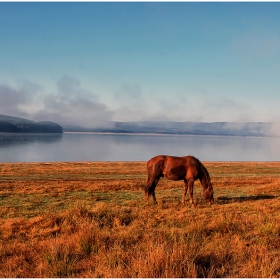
point(156, 159)
point(173, 160)
point(173, 167)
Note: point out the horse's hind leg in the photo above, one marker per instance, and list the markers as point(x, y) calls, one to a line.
point(154, 197)
point(150, 189)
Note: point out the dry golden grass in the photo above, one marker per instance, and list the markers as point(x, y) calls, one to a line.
point(91, 220)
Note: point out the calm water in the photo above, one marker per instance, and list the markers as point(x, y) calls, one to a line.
point(119, 147)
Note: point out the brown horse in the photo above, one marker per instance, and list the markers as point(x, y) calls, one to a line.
point(173, 168)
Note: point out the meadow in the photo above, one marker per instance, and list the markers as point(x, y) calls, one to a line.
point(90, 219)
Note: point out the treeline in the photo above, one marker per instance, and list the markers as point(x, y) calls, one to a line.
point(19, 125)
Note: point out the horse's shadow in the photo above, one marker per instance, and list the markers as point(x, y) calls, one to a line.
point(227, 200)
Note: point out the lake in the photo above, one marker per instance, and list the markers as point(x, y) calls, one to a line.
point(131, 147)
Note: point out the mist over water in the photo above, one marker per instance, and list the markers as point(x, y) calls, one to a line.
point(131, 147)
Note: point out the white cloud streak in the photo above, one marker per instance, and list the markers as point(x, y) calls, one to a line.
point(71, 104)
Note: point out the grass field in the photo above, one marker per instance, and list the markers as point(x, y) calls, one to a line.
point(91, 220)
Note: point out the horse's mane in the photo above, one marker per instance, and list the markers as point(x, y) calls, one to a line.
point(204, 172)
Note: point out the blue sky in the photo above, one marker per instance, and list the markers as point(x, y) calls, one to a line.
point(92, 62)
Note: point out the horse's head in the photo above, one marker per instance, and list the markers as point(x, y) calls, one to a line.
point(209, 194)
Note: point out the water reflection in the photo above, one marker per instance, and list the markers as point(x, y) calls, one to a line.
point(20, 147)
point(121, 147)
point(14, 139)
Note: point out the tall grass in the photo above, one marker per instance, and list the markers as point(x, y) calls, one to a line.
point(238, 236)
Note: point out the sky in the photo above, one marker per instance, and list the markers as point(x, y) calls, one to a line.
point(89, 63)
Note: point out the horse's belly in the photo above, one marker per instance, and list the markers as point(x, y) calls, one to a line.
point(175, 173)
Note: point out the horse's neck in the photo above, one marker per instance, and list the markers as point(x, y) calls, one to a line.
point(205, 181)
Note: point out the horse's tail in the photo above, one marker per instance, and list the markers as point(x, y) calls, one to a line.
point(149, 183)
point(154, 172)
point(149, 187)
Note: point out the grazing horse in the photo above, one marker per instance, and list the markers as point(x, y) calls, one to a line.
point(186, 168)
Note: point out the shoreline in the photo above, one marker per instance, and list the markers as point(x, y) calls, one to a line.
point(131, 162)
point(167, 134)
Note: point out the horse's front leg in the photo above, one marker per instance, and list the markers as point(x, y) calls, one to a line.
point(185, 191)
point(190, 185)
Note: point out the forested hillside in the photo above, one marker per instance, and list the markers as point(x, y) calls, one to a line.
point(14, 124)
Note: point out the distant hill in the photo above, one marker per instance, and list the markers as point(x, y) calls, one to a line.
point(14, 124)
point(184, 128)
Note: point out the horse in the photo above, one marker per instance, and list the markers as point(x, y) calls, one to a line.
point(187, 168)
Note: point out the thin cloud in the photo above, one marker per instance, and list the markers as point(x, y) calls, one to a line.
point(130, 95)
point(13, 99)
point(274, 129)
point(74, 111)
point(72, 104)
point(257, 44)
